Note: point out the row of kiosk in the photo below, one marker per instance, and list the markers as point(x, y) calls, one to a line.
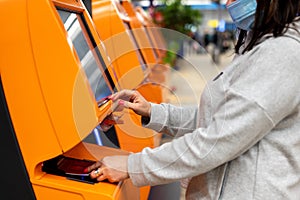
point(59, 61)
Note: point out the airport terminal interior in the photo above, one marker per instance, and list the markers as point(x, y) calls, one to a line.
point(62, 59)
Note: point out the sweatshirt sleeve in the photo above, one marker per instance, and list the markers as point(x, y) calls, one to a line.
point(172, 120)
point(260, 91)
point(233, 130)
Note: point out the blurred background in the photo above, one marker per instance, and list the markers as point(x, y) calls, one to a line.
point(207, 22)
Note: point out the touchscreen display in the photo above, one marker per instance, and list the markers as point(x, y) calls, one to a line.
point(77, 31)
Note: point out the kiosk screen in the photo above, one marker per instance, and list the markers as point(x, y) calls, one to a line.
point(77, 31)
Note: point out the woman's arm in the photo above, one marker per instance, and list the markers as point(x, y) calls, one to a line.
point(164, 118)
point(172, 120)
point(235, 127)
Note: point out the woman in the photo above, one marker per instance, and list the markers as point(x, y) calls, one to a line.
point(243, 142)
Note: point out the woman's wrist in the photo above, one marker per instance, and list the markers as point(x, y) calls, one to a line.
point(146, 118)
point(149, 110)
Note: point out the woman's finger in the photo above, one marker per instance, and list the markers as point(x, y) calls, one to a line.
point(102, 177)
point(93, 167)
point(99, 174)
point(123, 94)
point(118, 119)
point(96, 173)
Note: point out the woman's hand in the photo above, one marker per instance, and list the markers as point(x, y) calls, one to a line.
point(112, 168)
point(132, 99)
point(110, 120)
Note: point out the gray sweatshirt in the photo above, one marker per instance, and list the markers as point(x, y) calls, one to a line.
point(243, 142)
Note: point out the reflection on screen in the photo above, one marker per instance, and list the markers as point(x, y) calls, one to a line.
point(78, 34)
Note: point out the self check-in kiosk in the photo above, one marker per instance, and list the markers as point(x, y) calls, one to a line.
point(133, 59)
point(160, 73)
point(110, 20)
point(133, 62)
point(149, 47)
point(153, 32)
point(132, 69)
point(54, 75)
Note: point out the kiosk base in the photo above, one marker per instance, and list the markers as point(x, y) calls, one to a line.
point(50, 186)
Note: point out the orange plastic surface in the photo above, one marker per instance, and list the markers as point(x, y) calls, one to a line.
point(51, 186)
point(69, 102)
point(49, 98)
point(145, 37)
point(140, 35)
point(113, 25)
point(109, 21)
point(157, 39)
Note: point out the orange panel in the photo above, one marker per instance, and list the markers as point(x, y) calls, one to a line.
point(109, 22)
point(129, 47)
point(21, 84)
point(140, 35)
point(145, 37)
point(51, 186)
point(49, 97)
point(154, 32)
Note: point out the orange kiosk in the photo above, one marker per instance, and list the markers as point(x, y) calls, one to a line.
point(125, 55)
point(160, 72)
point(149, 48)
point(132, 69)
point(53, 81)
point(133, 62)
point(153, 32)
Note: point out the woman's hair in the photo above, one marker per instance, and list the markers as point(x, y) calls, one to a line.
point(272, 17)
